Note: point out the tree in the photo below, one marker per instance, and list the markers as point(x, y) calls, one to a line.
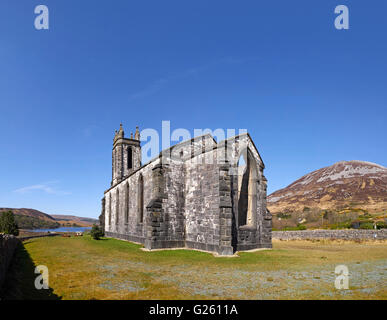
point(96, 232)
point(8, 224)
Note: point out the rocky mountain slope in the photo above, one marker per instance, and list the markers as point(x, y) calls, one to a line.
point(353, 184)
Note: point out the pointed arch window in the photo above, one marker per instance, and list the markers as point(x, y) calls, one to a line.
point(247, 189)
point(127, 203)
point(130, 158)
point(117, 205)
point(140, 199)
point(110, 209)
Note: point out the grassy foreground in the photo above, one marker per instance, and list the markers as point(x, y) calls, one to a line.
point(82, 268)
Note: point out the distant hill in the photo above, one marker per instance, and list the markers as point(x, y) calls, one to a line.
point(30, 213)
point(35, 219)
point(356, 184)
point(32, 219)
point(81, 221)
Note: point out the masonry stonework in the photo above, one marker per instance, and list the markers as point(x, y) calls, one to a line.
point(198, 194)
point(350, 234)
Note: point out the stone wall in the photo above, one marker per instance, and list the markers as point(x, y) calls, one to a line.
point(350, 234)
point(8, 245)
point(40, 236)
point(121, 211)
point(169, 187)
point(202, 201)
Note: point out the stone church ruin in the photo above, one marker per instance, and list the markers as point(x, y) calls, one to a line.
point(198, 194)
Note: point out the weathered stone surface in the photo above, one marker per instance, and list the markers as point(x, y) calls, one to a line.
point(187, 197)
point(351, 234)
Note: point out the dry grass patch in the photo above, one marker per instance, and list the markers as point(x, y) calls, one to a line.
point(82, 268)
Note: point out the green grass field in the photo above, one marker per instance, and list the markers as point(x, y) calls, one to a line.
point(82, 268)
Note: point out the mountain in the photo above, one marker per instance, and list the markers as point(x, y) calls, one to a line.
point(29, 213)
point(80, 221)
point(32, 219)
point(35, 219)
point(355, 184)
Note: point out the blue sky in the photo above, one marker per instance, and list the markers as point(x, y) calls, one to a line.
point(309, 95)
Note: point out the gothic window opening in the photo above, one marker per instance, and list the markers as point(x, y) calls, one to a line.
point(127, 203)
point(115, 163)
point(117, 206)
point(110, 209)
point(130, 158)
point(140, 199)
point(247, 189)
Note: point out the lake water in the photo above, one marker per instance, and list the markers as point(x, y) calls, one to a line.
point(63, 229)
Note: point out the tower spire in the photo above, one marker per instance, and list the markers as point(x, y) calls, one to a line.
point(121, 131)
point(137, 134)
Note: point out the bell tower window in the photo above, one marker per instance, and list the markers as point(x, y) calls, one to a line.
point(130, 158)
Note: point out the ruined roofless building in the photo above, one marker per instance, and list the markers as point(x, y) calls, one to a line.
point(197, 194)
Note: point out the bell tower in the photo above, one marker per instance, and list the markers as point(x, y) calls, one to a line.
point(126, 155)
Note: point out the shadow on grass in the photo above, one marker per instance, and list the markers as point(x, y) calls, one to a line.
point(20, 282)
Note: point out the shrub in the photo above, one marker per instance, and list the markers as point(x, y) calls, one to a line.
point(341, 225)
point(365, 216)
point(381, 225)
point(299, 227)
point(284, 215)
point(8, 224)
point(355, 224)
point(96, 232)
point(367, 225)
